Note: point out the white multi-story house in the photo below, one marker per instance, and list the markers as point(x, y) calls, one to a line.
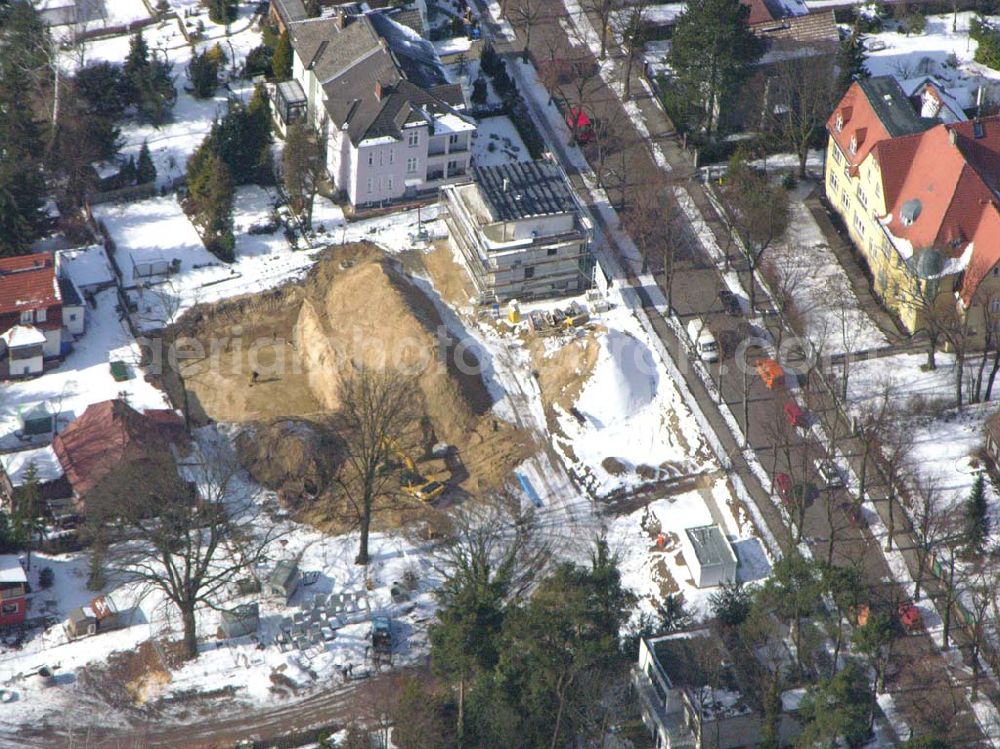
point(394, 125)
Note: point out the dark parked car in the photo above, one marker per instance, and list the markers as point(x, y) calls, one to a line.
point(730, 302)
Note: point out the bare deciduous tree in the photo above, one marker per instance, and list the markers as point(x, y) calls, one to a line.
point(378, 409)
point(303, 168)
point(758, 215)
point(189, 546)
point(798, 100)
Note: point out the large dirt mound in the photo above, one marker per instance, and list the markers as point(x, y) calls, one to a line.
point(366, 311)
point(273, 360)
point(291, 456)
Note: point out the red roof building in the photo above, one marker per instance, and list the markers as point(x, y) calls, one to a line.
point(919, 196)
point(38, 312)
point(13, 591)
point(112, 434)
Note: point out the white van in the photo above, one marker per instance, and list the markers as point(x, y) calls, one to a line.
point(703, 340)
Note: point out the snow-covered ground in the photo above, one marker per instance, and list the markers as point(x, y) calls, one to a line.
point(238, 663)
point(651, 571)
point(944, 440)
point(819, 287)
point(84, 377)
point(632, 413)
point(935, 52)
point(106, 13)
point(173, 142)
point(497, 141)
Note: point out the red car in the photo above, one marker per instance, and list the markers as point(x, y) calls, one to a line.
point(795, 416)
point(581, 126)
point(783, 485)
point(909, 616)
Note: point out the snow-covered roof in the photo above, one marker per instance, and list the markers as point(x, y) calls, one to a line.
point(47, 466)
point(11, 571)
point(23, 335)
point(86, 266)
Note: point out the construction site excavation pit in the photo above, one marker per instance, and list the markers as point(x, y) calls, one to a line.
point(269, 363)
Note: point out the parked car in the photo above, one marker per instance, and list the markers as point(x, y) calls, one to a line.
point(829, 473)
point(795, 416)
point(703, 340)
point(770, 373)
point(790, 492)
point(382, 635)
point(730, 302)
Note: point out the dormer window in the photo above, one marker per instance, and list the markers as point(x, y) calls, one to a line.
point(40, 315)
point(854, 145)
point(27, 317)
point(840, 121)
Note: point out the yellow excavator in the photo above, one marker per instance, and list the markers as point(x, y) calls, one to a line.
point(413, 482)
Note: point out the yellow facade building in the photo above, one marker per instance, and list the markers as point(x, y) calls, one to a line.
point(917, 191)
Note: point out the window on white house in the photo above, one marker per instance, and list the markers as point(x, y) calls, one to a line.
point(369, 184)
point(847, 201)
point(389, 183)
point(72, 317)
point(414, 139)
point(836, 154)
point(381, 158)
point(40, 315)
point(453, 139)
point(834, 182)
point(392, 155)
point(859, 224)
point(371, 158)
point(862, 199)
point(27, 316)
point(411, 165)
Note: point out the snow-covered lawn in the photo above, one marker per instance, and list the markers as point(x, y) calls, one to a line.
point(238, 663)
point(84, 377)
point(173, 142)
point(497, 141)
point(933, 53)
point(819, 287)
point(158, 231)
point(944, 440)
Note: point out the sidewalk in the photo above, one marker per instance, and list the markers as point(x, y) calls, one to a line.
point(841, 247)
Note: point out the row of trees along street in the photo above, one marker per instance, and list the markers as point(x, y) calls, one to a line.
point(713, 60)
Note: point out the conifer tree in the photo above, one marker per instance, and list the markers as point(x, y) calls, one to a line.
point(712, 52)
point(977, 519)
point(281, 63)
point(851, 61)
point(210, 200)
point(145, 169)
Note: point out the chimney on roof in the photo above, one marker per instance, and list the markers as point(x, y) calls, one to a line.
point(338, 19)
point(378, 90)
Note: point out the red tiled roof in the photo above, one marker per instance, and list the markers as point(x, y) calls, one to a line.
point(953, 174)
point(109, 434)
point(28, 282)
point(759, 12)
point(859, 122)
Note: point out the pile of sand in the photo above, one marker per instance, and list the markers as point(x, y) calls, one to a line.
point(292, 456)
point(370, 313)
point(563, 365)
point(356, 306)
